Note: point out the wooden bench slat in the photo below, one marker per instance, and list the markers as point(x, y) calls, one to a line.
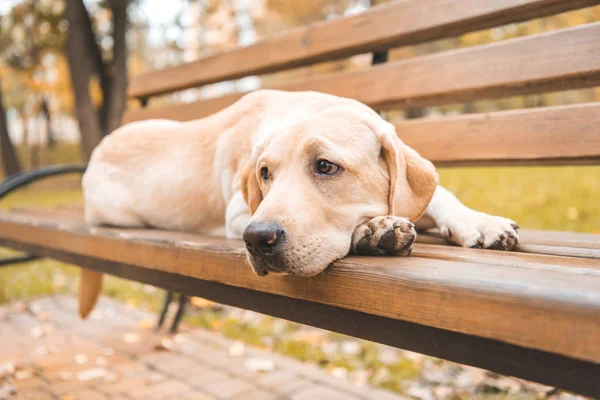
point(531, 304)
point(565, 59)
point(503, 258)
point(531, 136)
point(540, 237)
point(580, 246)
point(395, 24)
point(573, 246)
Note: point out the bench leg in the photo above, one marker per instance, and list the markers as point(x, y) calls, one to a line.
point(183, 299)
point(163, 313)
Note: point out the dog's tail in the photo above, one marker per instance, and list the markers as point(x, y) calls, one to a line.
point(90, 286)
point(91, 281)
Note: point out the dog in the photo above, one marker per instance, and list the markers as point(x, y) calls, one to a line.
point(304, 178)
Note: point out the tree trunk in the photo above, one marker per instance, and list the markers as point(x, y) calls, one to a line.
point(82, 65)
point(85, 61)
point(10, 162)
point(26, 137)
point(48, 120)
point(34, 155)
point(115, 95)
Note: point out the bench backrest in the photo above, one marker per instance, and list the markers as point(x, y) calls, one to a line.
point(554, 61)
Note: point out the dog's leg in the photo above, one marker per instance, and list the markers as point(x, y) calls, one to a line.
point(237, 216)
point(466, 227)
point(384, 235)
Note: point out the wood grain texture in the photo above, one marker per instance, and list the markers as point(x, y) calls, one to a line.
point(560, 60)
point(398, 23)
point(542, 135)
point(546, 303)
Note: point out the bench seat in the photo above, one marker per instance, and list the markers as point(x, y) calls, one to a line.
point(534, 300)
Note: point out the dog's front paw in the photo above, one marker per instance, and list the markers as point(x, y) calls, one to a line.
point(384, 235)
point(480, 230)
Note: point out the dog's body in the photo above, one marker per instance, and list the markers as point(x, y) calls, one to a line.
point(295, 174)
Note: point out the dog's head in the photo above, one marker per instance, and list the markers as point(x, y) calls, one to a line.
point(314, 177)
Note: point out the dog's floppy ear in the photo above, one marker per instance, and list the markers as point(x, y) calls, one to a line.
point(413, 179)
point(250, 186)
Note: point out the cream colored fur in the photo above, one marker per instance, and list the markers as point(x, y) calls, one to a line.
point(204, 176)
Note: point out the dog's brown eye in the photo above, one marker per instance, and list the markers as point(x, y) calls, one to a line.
point(264, 173)
point(325, 167)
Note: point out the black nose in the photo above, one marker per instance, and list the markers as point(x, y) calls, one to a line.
point(264, 237)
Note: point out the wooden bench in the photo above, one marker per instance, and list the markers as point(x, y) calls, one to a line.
point(533, 313)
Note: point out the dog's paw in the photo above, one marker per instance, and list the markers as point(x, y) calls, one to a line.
point(384, 235)
point(480, 230)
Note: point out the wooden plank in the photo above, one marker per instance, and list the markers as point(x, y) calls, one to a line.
point(544, 367)
point(551, 309)
point(531, 136)
point(532, 241)
point(537, 237)
point(536, 242)
point(560, 60)
point(506, 258)
point(397, 23)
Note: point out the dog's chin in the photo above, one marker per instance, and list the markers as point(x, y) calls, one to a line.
point(282, 266)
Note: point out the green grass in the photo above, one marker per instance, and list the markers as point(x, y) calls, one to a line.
point(557, 198)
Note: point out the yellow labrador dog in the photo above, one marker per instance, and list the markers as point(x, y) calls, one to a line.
point(303, 178)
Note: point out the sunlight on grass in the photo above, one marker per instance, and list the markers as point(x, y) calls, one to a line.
point(555, 198)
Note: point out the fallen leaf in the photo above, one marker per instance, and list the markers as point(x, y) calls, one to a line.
point(36, 331)
point(108, 351)
point(146, 324)
point(81, 359)
point(199, 302)
point(89, 374)
point(43, 316)
point(110, 312)
point(110, 377)
point(131, 337)
point(420, 393)
point(97, 315)
point(148, 289)
point(131, 303)
point(40, 351)
point(339, 372)
point(389, 356)
point(101, 361)
point(237, 349)
point(442, 391)
point(359, 378)
point(165, 345)
point(350, 347)
point(7, 369)
point(259, 364)
point(7, 390)
point(24, 374)
point(65, 376)
point(180, 338)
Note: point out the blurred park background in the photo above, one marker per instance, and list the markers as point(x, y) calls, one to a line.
point(63, 79)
